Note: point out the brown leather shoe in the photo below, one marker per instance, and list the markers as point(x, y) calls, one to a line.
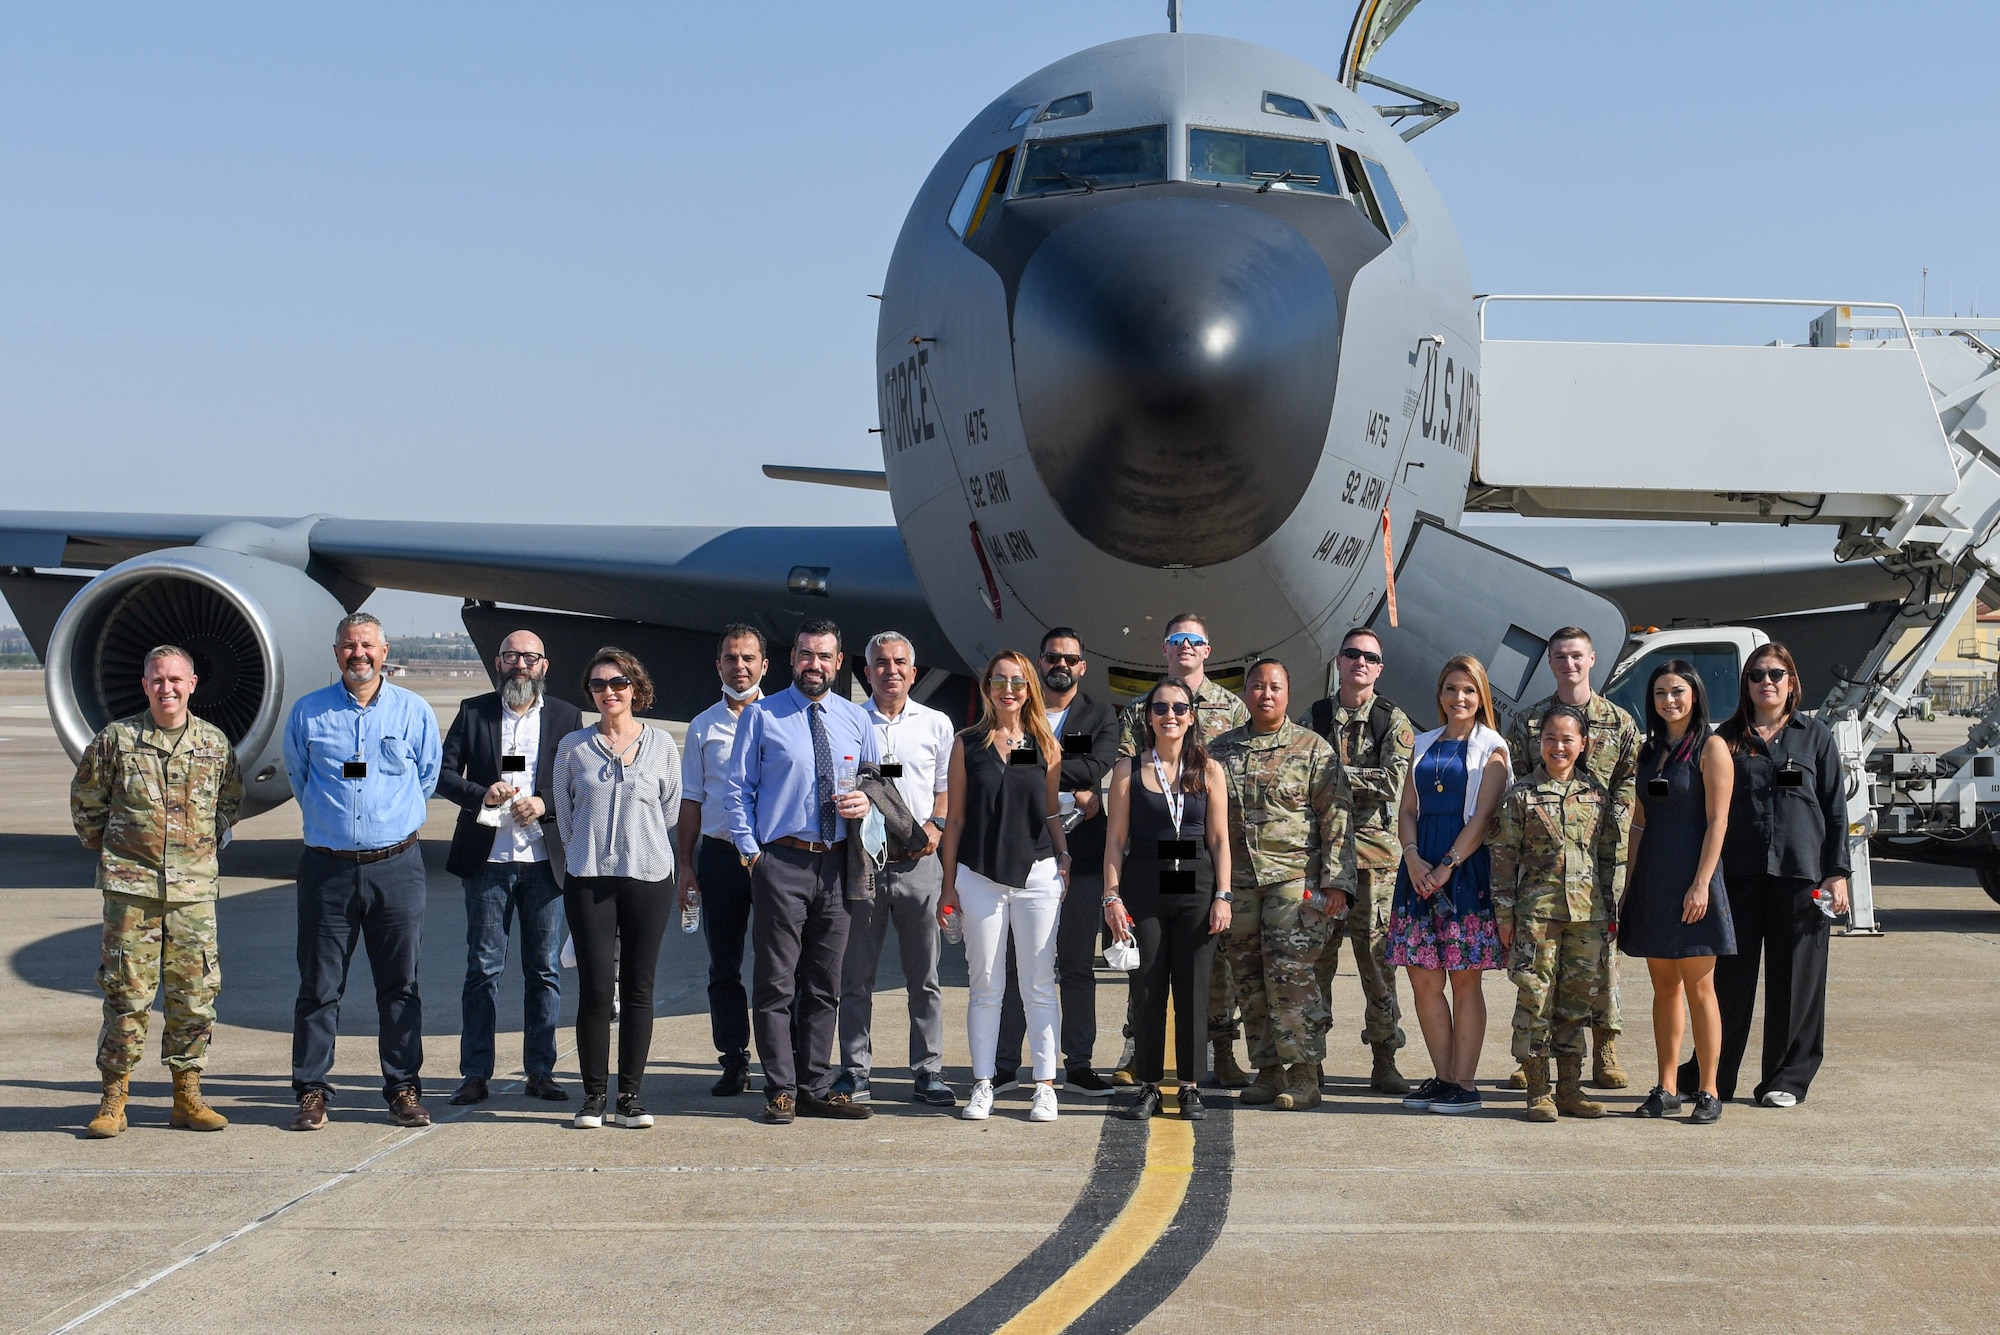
point(836, 1106)
point(472, 1091)
point(405, 1110)
point(311, 1115)
point(779, 1109)
point(545, 1087)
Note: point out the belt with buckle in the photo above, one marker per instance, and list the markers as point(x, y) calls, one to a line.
point(808, 845)
point(364, 856)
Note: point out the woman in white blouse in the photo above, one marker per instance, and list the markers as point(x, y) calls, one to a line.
point(617, 797)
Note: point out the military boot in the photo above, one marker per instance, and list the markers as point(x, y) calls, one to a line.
point(1227, 1073)
point(1265, 1088)
point(1384, 1078)
point(1518, 1080)
point(1301, 1089)
point(190, 1109)
point(1541, 1099)
point(1570, 1101)
point(1605, 1072)
point(110, 1119)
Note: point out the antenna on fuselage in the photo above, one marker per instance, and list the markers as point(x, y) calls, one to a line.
point(1173, 15)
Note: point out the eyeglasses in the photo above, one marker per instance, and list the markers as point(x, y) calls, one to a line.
point(1063, 660)
point(1186, 639)
point(1767, 674)
point(1008, 683)
point(599, 685)
point(1162, 708)
point(1360, 655)
point(513, 657)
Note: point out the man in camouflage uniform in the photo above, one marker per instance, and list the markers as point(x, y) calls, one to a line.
point(152, 797)
point(1613, 760)
point(1217, 710)
point(1291, 865)
point(1373, 739)
point(1558, 868)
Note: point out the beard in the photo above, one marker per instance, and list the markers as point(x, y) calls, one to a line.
point(1058, 680)
point(520, 690)
point(813, 686)
point(360, 676)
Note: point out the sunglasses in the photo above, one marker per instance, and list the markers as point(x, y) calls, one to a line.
point(1063, 660)
point(511, 657)
point(1007, 683)
point(1162, 708)
point(1767, 674)
point(1187, 639)
point(1361, 655)
point(599, 685)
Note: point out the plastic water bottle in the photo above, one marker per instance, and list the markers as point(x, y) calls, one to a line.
point(1823, 901)
point(954, 931)
point(691, 915)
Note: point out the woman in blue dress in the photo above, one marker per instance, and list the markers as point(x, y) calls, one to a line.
point(1441, 921)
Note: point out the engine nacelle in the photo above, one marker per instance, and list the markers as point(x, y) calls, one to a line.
point(260, 633)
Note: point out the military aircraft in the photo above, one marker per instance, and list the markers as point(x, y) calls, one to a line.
point(1175, 323)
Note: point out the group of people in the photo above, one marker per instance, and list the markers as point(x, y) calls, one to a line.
point(1219, 847)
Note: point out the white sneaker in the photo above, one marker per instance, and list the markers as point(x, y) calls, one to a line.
point(1779, 1098)
point(979, 1106)
point(1045, 1104)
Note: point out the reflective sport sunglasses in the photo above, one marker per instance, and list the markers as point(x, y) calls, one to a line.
point(1178, 708)
point(599, 685)
point(1767, 674)
point(1004, 683)
point(1187, 637)
point(1360, 655)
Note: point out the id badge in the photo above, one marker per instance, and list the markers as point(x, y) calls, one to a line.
point(1025, 755)
point(1177, 858)
point(1791, 777)
point(891, 769)
point(513, 764)
point(353, 769)
point(1076, 744)
point(1658, 787)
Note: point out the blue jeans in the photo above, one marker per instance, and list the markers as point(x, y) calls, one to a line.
point(379, 905)
point(499, 893)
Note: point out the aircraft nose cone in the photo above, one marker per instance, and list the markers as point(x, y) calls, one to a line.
point(1174, 361)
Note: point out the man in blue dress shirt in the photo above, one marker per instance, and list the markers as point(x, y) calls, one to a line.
point(363, 758)
point(791, 800)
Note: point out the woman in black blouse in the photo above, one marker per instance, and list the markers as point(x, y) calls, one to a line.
point(1006, 865)
point(1787, 839)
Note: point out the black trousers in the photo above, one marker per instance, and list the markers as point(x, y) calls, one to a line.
point(380, 905)
point(798, 939)
point(1076, 981)
point(1775, 917)
point(616, 924)
point(725, 922)
point(1175, 955)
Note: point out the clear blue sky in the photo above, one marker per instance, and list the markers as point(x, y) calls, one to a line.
point(598, 263)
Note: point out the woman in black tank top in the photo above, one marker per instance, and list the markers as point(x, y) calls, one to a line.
point(1166, 850)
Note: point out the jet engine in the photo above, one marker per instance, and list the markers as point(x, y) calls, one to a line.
point(260, 632)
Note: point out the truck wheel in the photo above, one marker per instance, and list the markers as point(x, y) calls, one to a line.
point(1989, 880)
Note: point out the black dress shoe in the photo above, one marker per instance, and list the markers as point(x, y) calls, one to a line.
point(734, 1080)
point(545, 1087)
point(929, 1087)
point(473, 1090)
point(1192, 1108)
point(1145, 1106)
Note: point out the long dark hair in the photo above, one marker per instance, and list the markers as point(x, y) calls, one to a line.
point(1656, 727)
point(1194, 756)
point(1735, 729)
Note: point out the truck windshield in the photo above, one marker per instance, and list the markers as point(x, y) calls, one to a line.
point(1717, 664)
point(1261, 160)
point(1094, 162)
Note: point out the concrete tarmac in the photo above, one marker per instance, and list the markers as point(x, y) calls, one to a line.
point(1871, 1206)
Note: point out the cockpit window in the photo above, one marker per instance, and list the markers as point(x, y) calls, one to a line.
point(1076, 104)
point(968, 197)
point(1093, 162)
point(1027, 114)
point(1393, 212)
point(1280, 105)
point(1373, 193)
point(1262, 160)
point(1333, 118)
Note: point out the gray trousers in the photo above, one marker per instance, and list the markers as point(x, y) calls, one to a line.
point(907, 893)
point(798, 936)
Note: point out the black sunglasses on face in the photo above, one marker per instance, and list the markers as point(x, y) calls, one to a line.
point(599, 685)
point(1361, 655)
point(1063, 660)
point(1161, 708)
point(1767, 674)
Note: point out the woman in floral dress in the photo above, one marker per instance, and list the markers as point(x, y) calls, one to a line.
point(1441, 921)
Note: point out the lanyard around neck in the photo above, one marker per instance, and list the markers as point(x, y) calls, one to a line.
point(1176, 800)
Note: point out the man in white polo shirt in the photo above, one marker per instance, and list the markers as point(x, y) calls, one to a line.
point(715, 868)
point(917, 739)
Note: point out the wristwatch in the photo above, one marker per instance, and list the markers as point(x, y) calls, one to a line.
point(1226, 896)
point(937, 821)
point(1447, 862)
